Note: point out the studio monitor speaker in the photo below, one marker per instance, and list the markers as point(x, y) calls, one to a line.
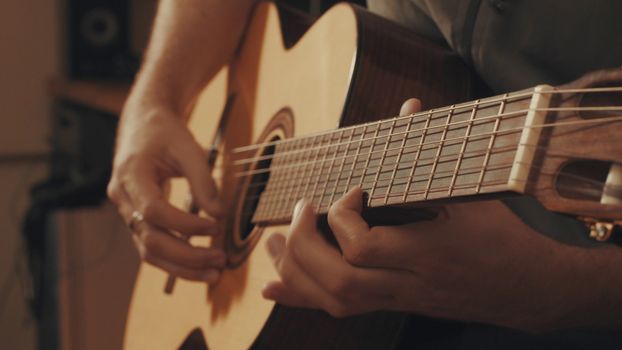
point(99, 40)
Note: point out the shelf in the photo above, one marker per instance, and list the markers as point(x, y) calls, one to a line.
point(103, 95)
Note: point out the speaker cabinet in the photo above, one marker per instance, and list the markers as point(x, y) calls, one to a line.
point(99, 40)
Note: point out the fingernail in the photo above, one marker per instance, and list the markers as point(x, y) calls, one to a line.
point(274, 246)
point(298, 208)
point(267, 292)
point(211, 276)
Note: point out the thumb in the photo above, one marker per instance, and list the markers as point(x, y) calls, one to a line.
point(410, 106)
point(202, 185)
point(304, 217)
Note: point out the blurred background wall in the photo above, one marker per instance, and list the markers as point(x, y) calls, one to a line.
point(30, 53)
point(59, 100)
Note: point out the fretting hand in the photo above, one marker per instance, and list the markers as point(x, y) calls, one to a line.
point(475, 261)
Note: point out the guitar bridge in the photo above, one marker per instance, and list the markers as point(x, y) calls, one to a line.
point(601, 230)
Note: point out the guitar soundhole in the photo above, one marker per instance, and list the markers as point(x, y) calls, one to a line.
point(255, 187)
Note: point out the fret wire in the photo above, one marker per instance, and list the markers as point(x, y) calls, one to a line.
point(462, 149)
point(512, 114)
point(491, 143)
point(371, 147)
point(444, 188)
point(255, 159)
point(282, 177)
point(419, 192)
point(330, 170)
point(414, 166)
point(509, 114)
point(340, 171)
point(276, 193)
point(310, 175)
point(523, 128)
point(273, 207)
point(272, 182)
point(458, 139)
point(471, 185)
point(299, 179)
point(425, 176)
point(302, 175)
point(465, 155)
point(280, 193)
point(382, 157)
point(319, 174)
point(286, 204)
point(466, 171)
point(398, 159)
point(517, 96)
point(438, 153)
point(355, 160)
point(257, 214)
point(264, 201)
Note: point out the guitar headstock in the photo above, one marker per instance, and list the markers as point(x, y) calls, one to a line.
point(577, 167)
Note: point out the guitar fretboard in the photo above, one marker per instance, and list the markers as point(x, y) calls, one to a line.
point(459, 150)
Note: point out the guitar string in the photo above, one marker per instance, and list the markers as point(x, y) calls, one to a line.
point(327, 177)
point(401, 166)
point(490, 119)
point(273, 214)
point(424, 177)
point(323, 177)
point(320, 206)
point(491, 100)
point(406, 166)
point(389, 183)
point(475, 105)
point(483, 102)
point(442, 142)
point(373, 139)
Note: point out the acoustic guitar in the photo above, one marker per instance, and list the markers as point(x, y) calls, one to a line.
point(302, 112)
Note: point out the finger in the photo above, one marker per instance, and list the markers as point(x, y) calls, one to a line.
point(410, 106)
point(210, 275)
point(177, 251)
point(157, 243)
point(202, 185)
point(380, 246)
point(349, 227)
point(146, 196)
point(298, 288)
point(326, 266)
point(277, 291)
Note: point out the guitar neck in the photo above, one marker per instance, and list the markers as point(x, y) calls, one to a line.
point(461, 150)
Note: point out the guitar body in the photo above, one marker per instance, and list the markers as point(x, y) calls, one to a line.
point(347, 66)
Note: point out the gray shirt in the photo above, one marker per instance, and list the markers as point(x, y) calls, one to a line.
point(516, 44)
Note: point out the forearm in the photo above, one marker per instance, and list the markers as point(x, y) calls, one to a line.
point(191, 41)
point(599, 288)
point(572, 288)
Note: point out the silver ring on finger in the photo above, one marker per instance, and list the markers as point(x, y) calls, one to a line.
point(136, 218)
